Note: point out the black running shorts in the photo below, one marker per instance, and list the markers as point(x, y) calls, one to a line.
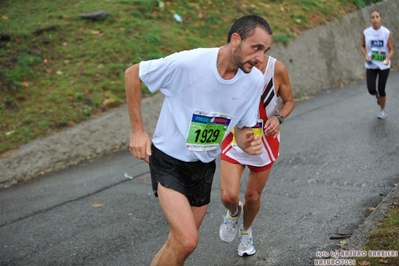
point(193, 179)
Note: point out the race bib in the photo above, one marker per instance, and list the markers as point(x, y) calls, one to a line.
point(378, 55)
point(206, 130)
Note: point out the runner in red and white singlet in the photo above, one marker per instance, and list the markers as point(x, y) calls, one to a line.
point(234, 160)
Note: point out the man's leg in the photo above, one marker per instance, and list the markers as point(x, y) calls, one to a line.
point(183, 221)
point(253, 192)
point(371, 78)
point(256, 183)
point(230, 176)
point(382, 81)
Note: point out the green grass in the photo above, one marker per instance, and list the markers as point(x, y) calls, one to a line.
point(74, 72)
point(385, 238)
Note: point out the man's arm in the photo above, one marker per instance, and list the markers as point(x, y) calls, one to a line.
point(284, 90)
point(140, 144)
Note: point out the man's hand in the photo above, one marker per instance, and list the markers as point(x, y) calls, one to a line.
point(140, 146)
point(251, 144)
point(272, 127)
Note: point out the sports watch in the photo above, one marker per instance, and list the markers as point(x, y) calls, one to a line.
point(280, 118)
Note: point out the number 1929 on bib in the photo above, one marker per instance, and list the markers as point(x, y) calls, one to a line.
point(206, 130)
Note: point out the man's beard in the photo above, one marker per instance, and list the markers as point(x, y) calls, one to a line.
point(241, 66)
point(237, 60)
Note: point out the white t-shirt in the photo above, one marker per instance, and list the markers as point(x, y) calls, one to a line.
point(377, 47)
point(197, 96)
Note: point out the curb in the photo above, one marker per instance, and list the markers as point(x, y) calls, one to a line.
point(372, 222)
point(107, 133)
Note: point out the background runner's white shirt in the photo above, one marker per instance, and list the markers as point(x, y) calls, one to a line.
point(190, 81)
point(268, 107)
point(377, 39)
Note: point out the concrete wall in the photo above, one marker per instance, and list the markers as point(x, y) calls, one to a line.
point(318, 59)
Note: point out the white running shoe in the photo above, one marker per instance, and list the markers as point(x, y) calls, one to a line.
point(246, 245)
point(228, 228)
point(382, 114)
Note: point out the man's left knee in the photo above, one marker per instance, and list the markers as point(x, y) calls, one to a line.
point(252, 197)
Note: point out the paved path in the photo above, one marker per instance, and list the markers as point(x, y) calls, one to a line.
point(337, 160)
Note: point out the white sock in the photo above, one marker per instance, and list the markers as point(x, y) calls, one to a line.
point(243, 228)
point(235, 213)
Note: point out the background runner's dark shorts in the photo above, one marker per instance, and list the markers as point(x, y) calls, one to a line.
point(193, 179)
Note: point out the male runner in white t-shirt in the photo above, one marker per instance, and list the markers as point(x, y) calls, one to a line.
point(234, 160)
point(208, 92)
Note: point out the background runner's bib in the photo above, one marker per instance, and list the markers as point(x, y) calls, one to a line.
point(378, 55)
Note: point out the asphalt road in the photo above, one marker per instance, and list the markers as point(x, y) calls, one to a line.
point(337, 160)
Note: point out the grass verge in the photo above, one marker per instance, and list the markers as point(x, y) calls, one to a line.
point(385, 238)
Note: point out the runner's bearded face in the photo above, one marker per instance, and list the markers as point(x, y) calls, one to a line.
point(245, 66)
point(250, 52)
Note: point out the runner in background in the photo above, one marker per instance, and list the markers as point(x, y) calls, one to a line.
point(234, 160)
point(377, 49)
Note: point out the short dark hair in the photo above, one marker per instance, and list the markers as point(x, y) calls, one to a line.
point(245, 26)
point(375, 10)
